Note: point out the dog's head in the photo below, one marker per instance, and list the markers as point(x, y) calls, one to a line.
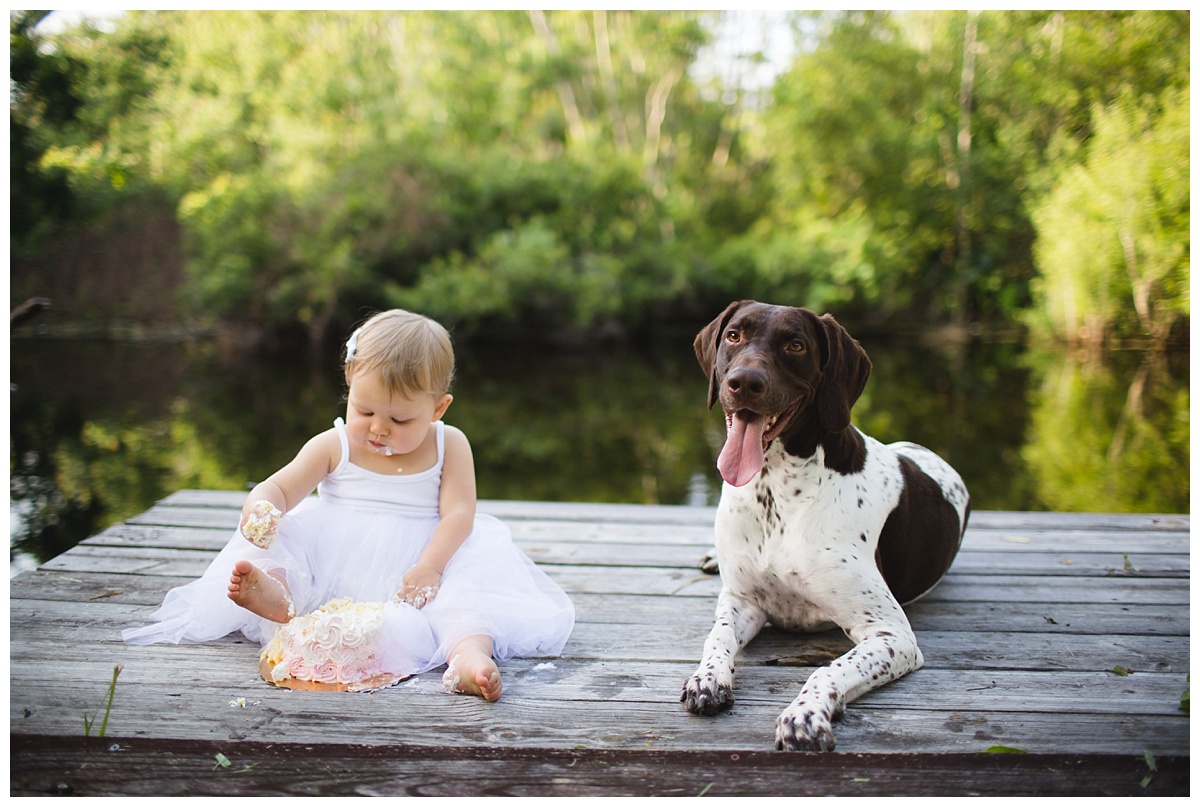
point(777, 370)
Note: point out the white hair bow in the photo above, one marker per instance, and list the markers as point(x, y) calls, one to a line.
point(352, 344)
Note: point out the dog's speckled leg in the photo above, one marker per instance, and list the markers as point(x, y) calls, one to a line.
point(710, 690)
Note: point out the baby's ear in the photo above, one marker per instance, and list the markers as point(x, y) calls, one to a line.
point(442, 405)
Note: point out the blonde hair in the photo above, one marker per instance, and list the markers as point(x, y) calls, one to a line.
point(411, 353)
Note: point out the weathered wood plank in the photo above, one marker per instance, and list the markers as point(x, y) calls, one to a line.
point(645, 714)
point(604, 551)
point(653, 611)
point(63, 625)
point(657, 545)
point(618, 683)
point(133, 767)
point(569, 680)
point(955, 587)
point(617, 537)
point(582, 511)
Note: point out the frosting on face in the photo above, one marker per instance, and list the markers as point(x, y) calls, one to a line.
point(333, 645)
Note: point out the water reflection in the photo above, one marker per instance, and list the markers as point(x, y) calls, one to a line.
point(1110, 433)
point(100, 430)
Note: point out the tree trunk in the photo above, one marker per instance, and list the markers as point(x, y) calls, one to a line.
point(609, 79)
point(962, 235)
point(565, 93)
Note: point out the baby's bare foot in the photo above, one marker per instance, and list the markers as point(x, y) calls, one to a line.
point(260, 593)
point(473, 673)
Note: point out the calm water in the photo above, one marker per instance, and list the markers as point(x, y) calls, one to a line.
point(100, 430)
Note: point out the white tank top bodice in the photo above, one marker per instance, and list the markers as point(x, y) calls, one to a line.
point(411, 494)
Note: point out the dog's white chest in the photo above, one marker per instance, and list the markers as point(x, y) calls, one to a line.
point(790, 538)
point(764, 546)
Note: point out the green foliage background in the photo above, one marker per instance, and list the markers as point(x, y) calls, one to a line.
point(571, 169)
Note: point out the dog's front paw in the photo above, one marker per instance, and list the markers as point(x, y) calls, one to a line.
point(703, 694)
point(804, 728)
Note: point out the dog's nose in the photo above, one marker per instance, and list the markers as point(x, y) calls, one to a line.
point(747, 382)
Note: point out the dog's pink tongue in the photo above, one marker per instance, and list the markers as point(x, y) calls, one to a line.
point(742, 456)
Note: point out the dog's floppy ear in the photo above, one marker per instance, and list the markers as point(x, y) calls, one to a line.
point(706, 345)
point(844, 374)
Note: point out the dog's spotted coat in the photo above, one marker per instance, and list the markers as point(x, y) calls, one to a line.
point(834, 529)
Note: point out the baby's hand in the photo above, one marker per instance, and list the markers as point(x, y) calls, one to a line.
point(420, 585)
point(260, 523)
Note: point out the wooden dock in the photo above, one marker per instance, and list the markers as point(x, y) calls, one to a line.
point(1062, 636)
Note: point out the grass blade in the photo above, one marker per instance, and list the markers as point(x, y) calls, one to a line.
point(112, 690)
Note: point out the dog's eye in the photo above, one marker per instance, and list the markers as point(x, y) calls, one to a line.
point(797, 346)
point(733, 337)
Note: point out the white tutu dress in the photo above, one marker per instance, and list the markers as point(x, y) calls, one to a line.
point(356, 539)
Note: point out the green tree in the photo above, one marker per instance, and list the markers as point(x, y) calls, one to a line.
point(1114, 245)
point(570, 166)
point(43, 97)
point(908, 149)
point(318, 157)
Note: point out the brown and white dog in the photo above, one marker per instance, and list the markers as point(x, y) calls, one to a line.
point(818, 524)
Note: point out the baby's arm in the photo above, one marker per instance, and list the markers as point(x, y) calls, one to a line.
point(457, 505)
point(289, 486)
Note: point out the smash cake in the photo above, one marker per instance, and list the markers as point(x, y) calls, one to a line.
point(262, 525)
point(331, 649)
